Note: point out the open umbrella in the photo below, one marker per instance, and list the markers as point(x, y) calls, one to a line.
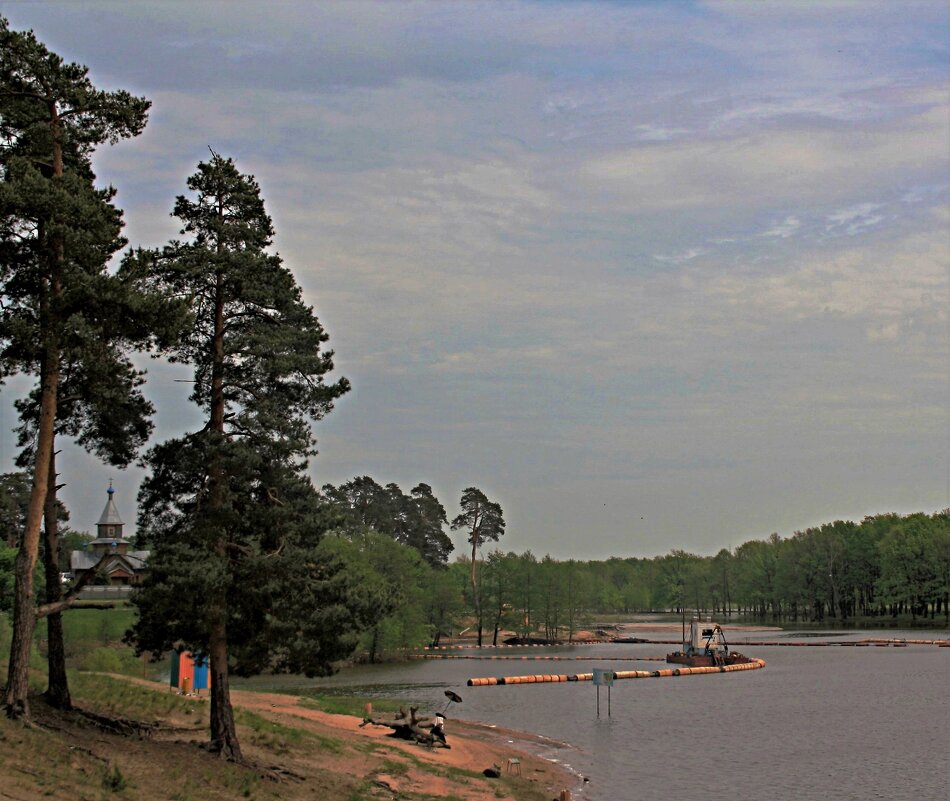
point(453, 698)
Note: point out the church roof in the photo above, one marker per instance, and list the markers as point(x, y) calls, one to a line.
point(109, 541)
point(110, 515)
point(84, 560)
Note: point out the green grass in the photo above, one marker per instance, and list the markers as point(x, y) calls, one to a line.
point(279, 738)
point(28, 755)
point(113, 781)
point(93, 641)
point(350, 705)
point(97, 625)
point(118, 697)
point(368, 792)
point(395, 768)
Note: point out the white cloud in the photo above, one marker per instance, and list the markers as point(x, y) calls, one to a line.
point(784, 229)
point(880, 283)
point(488, 360)
point(784, 166)
point(658, 133)
point(854, 219)
point(827, 105)
point(884, 332)
point(681, 257)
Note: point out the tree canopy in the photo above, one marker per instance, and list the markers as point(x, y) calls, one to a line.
point(416, 520)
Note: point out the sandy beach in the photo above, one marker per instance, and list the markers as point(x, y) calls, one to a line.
point(292, 752)
point(474, 747)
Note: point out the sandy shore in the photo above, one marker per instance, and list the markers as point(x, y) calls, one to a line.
point(370, 750)
point(677, 627)
point(474, 747)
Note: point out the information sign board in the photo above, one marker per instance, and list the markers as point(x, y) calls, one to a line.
point(603, 678)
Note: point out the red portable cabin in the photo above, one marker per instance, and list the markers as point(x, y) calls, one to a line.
point(189, 672)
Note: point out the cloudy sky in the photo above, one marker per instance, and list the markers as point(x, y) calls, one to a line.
point(651, 275)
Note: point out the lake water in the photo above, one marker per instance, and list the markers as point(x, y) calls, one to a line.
point(816, 723)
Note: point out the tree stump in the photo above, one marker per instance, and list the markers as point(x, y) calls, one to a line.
point(407, 727)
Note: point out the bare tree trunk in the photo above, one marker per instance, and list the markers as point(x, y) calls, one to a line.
point(224, 741)
point(475, 595)
point(57, 691)
point(24, 615)
point(374, 645)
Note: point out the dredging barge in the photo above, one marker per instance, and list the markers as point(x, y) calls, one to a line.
point(706, 647)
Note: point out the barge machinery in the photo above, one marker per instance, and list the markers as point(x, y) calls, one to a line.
point(706, 647)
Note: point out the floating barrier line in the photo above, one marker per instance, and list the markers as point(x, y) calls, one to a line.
point(825, 644)
point(938, 643)
point(770, 643)
point(505, 645)
point(755, 664)
point(535, 658)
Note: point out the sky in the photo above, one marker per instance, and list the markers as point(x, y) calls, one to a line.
point(652, 275)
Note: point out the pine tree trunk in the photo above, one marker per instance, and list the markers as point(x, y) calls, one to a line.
point(57, 691)
point(475, 596)
point(373, 645)
point(224, 741)
point(24, 616)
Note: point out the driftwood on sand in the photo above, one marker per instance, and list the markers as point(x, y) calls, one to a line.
point(407, 726)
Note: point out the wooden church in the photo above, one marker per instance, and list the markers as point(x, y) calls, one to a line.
point(126, 567)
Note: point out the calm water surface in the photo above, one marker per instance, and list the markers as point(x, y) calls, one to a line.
point(816, 723)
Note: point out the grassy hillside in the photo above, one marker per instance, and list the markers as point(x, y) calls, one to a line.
point(71, 757)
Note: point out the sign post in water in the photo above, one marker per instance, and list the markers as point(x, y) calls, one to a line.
point(606, 678)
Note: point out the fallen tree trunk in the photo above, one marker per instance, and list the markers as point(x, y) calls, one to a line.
point(407, 727)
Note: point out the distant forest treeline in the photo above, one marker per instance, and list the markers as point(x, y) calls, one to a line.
point(886, 566)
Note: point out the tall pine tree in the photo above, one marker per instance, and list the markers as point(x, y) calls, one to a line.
point(56, 234)
point(227, 511)
point(484, 521)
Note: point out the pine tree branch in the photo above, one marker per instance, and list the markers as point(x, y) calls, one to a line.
point(73, 595)
point(34, 95)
